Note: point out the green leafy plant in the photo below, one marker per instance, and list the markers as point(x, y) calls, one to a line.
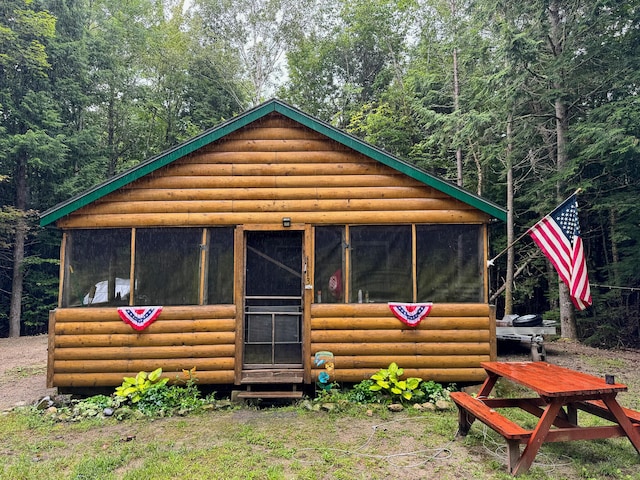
point(434, 391)
point(388, 380)
point(362, 393)
point(134, 389)
point(161, 400)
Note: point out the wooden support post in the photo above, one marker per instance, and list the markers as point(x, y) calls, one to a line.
point(51, 348)
point(513, 454)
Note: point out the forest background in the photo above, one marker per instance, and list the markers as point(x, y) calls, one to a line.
point(521, 102)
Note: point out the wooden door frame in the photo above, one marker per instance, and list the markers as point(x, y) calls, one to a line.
point(240, 261)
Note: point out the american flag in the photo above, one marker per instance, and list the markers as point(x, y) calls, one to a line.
point(558, 235)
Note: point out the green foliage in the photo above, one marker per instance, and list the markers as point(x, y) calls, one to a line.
point(434, 391)
point(145, 395)
point(93, 407)
point(388, 380)
point(163, 401)
point(362, 393)
point(135, 388)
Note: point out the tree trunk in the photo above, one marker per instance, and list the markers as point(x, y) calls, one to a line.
point(567, 313)
point(508, 292)
point(568, 327)
point(615, 256)
point(456, 103)
point(15, 309)
point(17, 278)
point(111, 134)
point(456, 94)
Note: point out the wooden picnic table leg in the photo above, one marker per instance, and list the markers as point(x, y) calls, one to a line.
point(616, 410)
point(465, 419)
point(488, 385)
point(572, 414)
point(537, 437)
point(513, 454)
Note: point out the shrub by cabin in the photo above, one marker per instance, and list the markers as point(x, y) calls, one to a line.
point(262, 242)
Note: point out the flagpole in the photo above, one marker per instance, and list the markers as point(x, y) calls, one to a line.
point(491, 262)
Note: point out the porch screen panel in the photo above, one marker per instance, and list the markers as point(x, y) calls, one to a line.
point(167, 266)
point(380, 263)
point(220, 266)
point(97, 268)
point(329, 265)
point(449, 263)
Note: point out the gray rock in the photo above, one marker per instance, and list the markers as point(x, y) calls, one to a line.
point(223, 404)
point(44, 403)
point(61, 400)
point(428, 406)
point(328, 407)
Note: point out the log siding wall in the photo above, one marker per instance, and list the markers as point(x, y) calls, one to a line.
point(273, 169)
point(447, 346)
point(94, 347)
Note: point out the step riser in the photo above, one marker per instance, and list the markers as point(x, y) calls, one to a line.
point(250, 377)
point(269, 395)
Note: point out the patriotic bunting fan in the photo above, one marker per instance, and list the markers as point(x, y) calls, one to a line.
point(139, 317)
point(410, 314)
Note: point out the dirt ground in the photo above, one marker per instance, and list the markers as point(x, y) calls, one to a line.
point(23, 365)
point(23, 371)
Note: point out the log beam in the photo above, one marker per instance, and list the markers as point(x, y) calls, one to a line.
point(114, 379)
point(135, 352)
point(272, 218)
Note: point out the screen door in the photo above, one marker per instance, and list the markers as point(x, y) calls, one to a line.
point(273, 299)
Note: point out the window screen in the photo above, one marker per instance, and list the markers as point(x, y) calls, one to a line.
point(219, 266)
point(97, 268)
point(380, 263)
point(329, 264)
point(167, 266)
point(449, 263)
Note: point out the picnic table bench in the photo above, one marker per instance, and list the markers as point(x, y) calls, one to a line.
point(561, 394)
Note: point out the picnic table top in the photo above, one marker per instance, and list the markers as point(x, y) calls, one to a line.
point(551, 380)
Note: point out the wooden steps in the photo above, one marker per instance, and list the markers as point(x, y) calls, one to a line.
point(269, 395)
point(277, 376)
point(270, 384)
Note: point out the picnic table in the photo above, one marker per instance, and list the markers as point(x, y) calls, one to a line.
point(561, 394)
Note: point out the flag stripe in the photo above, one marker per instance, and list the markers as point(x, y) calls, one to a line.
point(580, 282)
point(555, 247)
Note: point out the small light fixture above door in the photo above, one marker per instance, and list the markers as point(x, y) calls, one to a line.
point(286, 222)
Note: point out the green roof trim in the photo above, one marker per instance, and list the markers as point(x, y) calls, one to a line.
point(230, 126)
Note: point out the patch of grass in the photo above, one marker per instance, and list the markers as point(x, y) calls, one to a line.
point(25, 371)
point(604, 364)
point(97, 467)
point(288, 442)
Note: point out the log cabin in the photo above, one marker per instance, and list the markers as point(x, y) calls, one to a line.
point(261, 243)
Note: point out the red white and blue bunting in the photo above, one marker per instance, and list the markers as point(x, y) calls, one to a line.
point(410, 314)
point(139, 317)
